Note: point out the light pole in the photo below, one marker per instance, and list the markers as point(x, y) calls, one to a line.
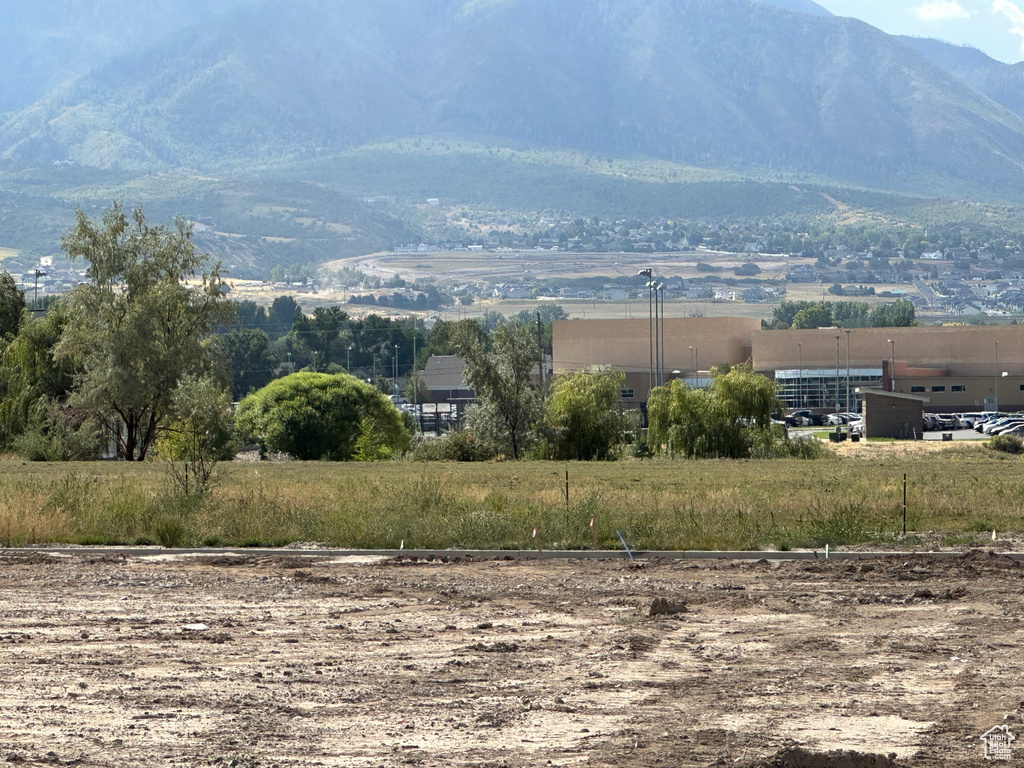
point(800, 375)
point(395, 361)
point(837, 381)
point(696, 366)
point(892, 364)
point(847, 332)
point(35, 295)
point(693, 376)
point(657, 337)
point(661, 290)
point(650, 326)
point(348, 364)
point(995, 381)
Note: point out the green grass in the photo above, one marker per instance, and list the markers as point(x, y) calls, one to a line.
point(656, 504)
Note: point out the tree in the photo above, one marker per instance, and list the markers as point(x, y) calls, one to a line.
point(200, 435)
point(12, 304)
point(247, 352)
point(139, 325)
point(585, 415)
point(815, 316)
point(501, 373)
point(320, 416)
point(898, 314)
point(725, 421)
point(29, 374)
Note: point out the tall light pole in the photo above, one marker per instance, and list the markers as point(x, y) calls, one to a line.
point(995, 381)
point(348, 364)
point(696, 364)
point(396, 369)
point(847, 332)
point(838, 336)
point(650, 326)
point(661, 290)
point(892, 365)
point(800, 375)
point(657, 337)
point(693, 376)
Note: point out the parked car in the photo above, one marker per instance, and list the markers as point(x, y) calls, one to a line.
point(804, 418)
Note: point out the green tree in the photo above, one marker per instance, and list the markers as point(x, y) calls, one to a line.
point(247, 353)
point(29, 374)
point(200, 434)
point(501, 372)
point(585, 414)
point(12, 305)
point(898, 314)
point(138, 326)
point(725, 421)
point(815, 316)
point(320, 416)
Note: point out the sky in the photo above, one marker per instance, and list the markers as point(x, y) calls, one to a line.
point(993, 26)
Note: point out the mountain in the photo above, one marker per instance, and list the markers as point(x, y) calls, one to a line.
point(1003, 83)
point(732, 84)
point(45, 44)
point(801, 6)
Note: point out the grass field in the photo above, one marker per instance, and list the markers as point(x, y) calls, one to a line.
point(957, 496)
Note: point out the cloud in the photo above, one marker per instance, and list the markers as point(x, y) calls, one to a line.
point(942, 10)
point(1016, 16)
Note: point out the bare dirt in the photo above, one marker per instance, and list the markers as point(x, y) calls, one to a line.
point(256, 660)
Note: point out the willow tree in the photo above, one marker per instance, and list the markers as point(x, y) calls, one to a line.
point(138, 325)
point(724, 421)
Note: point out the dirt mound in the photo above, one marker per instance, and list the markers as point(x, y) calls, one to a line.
point(797, 757)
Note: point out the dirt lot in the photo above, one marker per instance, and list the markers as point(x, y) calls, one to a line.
point(245, 661)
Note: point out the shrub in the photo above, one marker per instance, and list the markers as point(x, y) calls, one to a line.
point(320, 416)
point(454, 446)
point(1007, 444)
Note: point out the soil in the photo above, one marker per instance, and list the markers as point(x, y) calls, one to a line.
point(297, 661)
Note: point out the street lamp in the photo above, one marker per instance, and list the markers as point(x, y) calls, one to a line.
point(396, 369)
point(650, 325)
point(892, 364)
point(838, 336)
point(35, 296)
point(693, 376)
point(348, 364)
point(847, 332)
point(661, 290)
point(800, 375)
point(995, 381)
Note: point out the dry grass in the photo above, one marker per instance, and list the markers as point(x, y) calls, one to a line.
point(958, 492)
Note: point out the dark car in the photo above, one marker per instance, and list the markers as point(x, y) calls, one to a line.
point(804, 418)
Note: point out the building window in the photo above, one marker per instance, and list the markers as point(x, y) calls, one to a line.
point(917, 389)
point(958, 388)
point(626, 394)
point(938, 389)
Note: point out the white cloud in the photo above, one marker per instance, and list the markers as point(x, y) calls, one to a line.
point(942, 10)
point(1016, 16)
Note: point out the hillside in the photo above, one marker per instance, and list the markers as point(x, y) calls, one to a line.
point(732, 84)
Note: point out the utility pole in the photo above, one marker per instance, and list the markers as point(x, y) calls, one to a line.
point(657, 337)
point(892, 364)
point(415, 381)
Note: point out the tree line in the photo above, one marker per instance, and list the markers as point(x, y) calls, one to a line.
point(147, 355)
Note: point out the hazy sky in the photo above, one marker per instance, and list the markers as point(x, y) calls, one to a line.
point(994, 26)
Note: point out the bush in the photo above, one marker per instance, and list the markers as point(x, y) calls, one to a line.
point(319, 416)
point(1007, 444)
point(454, 446)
